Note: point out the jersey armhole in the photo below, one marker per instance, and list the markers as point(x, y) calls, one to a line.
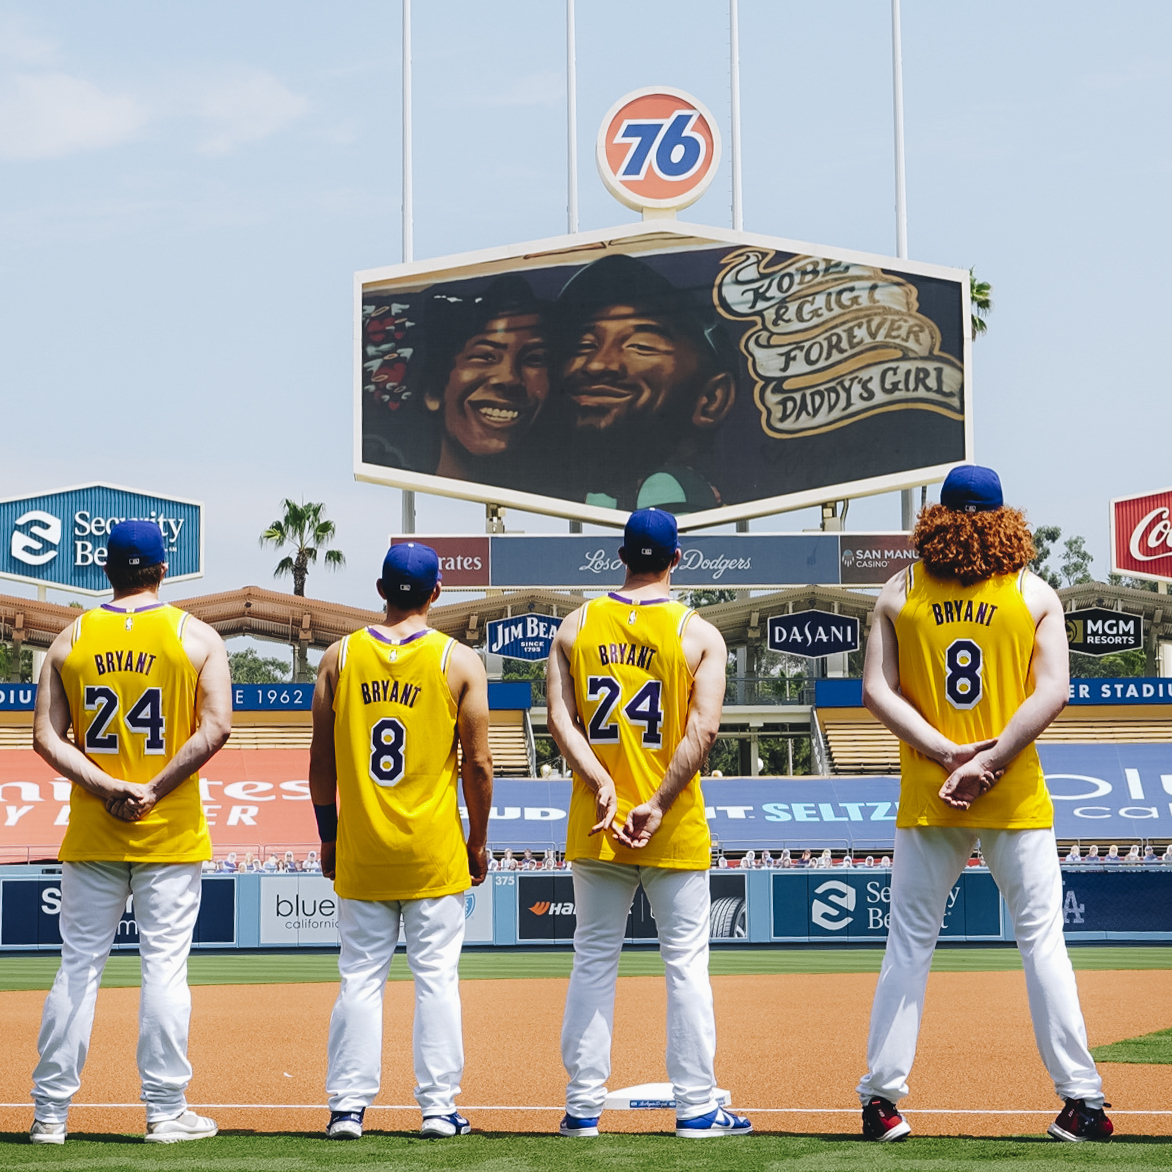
point(1021, 580)
point(909, 578)
point(181, 626)
point(446, 655)
point(343, 650)
point(76, 633)
point(685, 618)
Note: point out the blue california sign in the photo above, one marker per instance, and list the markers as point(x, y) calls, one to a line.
point(813, 633)
point(524, 636)
point(59, 538)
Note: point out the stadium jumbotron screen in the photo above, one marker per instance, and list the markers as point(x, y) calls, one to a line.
point(717, 374)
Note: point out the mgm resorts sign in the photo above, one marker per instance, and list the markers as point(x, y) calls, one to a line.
point(1097, 631)
point(59, 538)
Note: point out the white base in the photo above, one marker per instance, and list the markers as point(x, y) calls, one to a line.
point(650, 1096)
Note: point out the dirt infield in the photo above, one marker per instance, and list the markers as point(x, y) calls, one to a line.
point(785, 1041)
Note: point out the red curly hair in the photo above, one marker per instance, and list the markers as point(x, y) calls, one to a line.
point(970, 547)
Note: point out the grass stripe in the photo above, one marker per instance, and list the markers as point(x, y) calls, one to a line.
point(1151, 1049)
point(122, 971)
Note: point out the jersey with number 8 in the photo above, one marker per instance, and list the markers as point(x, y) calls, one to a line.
point(131, 691)
point(964, 663)
point(632, 686)
point(399, 831)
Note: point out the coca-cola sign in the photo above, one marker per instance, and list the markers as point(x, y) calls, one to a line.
point(1141, 535)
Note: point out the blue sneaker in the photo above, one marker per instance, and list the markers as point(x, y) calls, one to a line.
point(445, 1126)
point(579, 1127)
point(345, 1124)
point(718, 1122)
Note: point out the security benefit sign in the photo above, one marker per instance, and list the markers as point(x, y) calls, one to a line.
point(1098, 631)
point(716, 374)
point(813, 633)
point(525, 636)
point(59, 538)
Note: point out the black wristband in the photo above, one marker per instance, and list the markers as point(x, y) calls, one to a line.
point(327, 822)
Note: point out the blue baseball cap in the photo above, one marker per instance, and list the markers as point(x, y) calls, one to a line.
point(972, 489)
point(410, 568)
point(135, 543)
point(651, 533)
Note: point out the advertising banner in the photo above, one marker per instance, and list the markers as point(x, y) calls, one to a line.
point(59, 538)
point(743, 560)
point(720, 375)
point(545, 909)
point(813, 633)
point(1141, 535)
point(1119, 900)
point(524, 636)
point(1098, 631)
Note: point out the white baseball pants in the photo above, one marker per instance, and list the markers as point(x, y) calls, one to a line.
point(369, 931)
point(680, 903)
point(93, 898)
point(1024, 863)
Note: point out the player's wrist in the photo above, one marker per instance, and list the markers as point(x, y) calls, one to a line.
point(327, 821)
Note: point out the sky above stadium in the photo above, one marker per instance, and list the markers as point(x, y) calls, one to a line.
point(188, 188)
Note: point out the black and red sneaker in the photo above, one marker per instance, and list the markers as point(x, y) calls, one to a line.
point(1077, 1123)
point(883, 1123)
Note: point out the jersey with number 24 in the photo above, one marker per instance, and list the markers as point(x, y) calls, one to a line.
point(964, 663)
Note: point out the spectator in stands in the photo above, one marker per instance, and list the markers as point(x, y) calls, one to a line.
point(766, 861)
point(508, 863)
point(228, 866)
point(1132, 859)
point(207, 867)
point(749, 859)
point(494, 864)
point(721, 861)
point(1092, 858)
point(1150, 859)
point(1073, 857)
point(825, 860)
point(805, 860)
point(312, 863)
point(847, 860)
point(271, 864)
point(250, 864)
point(885, 862)
point(528, 862)
point(1167, 859)
point(1112, 858)
point(869, 861)
point(290, 862)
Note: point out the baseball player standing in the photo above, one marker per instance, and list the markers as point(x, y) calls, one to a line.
point(390, 703)
point(967, 663)
point(146, 688)
point(635, 685)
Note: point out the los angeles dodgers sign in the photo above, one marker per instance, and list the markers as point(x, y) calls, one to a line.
point(658, 148)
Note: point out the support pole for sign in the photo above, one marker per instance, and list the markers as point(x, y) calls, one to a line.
point(38, 655)
point(408, 521)
point(571, 123)
point(734, 79)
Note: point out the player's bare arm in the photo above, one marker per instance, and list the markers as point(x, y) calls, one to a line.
point(213, 715)
point(707, 655)
point(881, 691)
point(51, 722)
point(1050, 668)
point(469, 685)
point(567, 729)
point(323, 765)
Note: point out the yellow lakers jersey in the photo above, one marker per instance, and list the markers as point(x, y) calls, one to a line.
point(964, 663)
point(399, 832)
point(632, 685)
point(131, 691)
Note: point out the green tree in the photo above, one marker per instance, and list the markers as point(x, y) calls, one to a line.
point(699, 598)
point(980, 302)
point(1076, 561)
point(305, 529)
point(26, 665)
point(1094, 667)
point(249, 668)
point(1132, 583)
point(1045, 536)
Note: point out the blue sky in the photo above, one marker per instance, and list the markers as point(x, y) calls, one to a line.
point(188, 188)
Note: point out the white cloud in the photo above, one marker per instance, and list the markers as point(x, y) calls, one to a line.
point(49, 115)
point(246, 109)
point(17, 44)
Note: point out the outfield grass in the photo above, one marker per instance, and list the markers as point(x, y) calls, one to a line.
point(242, 1152)
point(1148, 1049)
point(37, 972)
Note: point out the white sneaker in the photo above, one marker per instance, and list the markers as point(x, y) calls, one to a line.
point(189, 1125)
point(445, 1126)
point(46, 1133)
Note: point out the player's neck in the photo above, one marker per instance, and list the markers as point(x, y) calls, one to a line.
point(644, 587)
point(134, 599)
point(398, 625)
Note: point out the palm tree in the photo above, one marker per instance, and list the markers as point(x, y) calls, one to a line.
point(981, 302)
point(306, 530)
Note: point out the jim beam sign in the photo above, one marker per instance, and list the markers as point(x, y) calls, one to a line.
point(1141, 535)
point(1098, 631)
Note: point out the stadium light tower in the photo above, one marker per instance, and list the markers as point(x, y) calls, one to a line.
point(408, 523)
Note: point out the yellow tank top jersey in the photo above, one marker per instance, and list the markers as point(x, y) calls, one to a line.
point(964, 662)
point(632, 686)
point(131, 691)
point(399, 831)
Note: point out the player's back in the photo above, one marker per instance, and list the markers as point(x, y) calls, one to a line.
point(399, 832)
point(131, 689)
point(964, 663)
point(632, 687)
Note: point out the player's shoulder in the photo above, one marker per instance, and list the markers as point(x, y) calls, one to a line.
point(570, 626)
point(1038, 595)
point(894, 592)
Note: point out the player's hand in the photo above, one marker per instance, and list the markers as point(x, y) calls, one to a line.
point(129, 802)
point(960, 755)
point(606, 805)
point(329, 859)
point(477, 864)
point(642, 822)
point(969, 782)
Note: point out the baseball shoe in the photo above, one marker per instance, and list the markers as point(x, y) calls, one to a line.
point(883, 1123)
point(571, 1125)
point(718, 1122)
point(46, 1133)
point(445, 1126)
point(189, 1125)
point(1077, 1123)
point(345, 1124)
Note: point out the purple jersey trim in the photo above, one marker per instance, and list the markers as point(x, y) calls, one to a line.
point(633, 602)
point(399, 642)
point(131, 609)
